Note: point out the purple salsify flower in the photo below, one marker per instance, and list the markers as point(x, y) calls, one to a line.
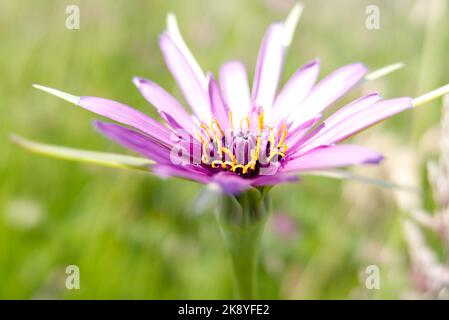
point(239, 138)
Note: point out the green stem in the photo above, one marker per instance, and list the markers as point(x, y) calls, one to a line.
point(242, 220)
point(244, 248)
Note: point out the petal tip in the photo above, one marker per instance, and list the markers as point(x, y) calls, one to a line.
point(291, 22)
point(63, 95)
point(171, 21)
point(313, 63)
point(362, 66)
point(138, 81)
point(376, 159)
point(15, 138)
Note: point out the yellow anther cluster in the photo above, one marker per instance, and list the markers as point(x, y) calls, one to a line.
point(212, 137)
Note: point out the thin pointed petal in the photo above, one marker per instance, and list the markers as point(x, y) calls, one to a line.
point(173, 30)
point(351, 108)
point(191, 86)
point(329, 90)
point(291, 22)
point(382, 72)
point(295, 91)
point(219, 109)
point(367, 115)
point(135, 141)
point(269, 66)
point(98, 158)
point(301, 133)
point(432, 95)
point(191, 173)
point(117, 112)
point(60, 94)
point(165, 102)
point(329, 157)
point(126, 115)
point(235, 89)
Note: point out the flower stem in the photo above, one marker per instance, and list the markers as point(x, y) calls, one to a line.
point(242, 220)
point(244, 247)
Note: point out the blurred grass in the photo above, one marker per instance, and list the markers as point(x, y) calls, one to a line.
point(123, 229)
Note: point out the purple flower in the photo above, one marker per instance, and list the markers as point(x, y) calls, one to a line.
point(239, 138)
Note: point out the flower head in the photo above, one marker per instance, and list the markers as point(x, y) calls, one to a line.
point(239, 138)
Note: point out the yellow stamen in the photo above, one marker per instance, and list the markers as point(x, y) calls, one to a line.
point(254, 156)
point(283, 137)
point(229, 153)
point(206, 130)
point(200, 137)
point(235, 167)
point(276, 153)
point(205, 158)
point(227, 159)
point(205, 144)
point(217, 124)
point(215, 163)
point(230, 121)
point(259, 135)
point(247, 123)
point(261, 122)
point(227, 163)
point(245, 168)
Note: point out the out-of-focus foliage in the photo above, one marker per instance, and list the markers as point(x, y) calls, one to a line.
point(135, 236)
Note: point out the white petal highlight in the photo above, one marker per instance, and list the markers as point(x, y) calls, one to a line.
point(290, 24)
point(382, 72)
point(328, 90)
point(173, 30)
point(295, 91)
point(191, 86)
point(235, 89)
point(432, 95)
point(270, 62)
point(60, 94)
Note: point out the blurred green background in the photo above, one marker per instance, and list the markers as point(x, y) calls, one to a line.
point(136, 236)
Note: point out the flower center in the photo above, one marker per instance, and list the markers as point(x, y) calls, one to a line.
point(244, 151)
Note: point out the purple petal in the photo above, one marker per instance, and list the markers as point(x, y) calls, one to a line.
point(366, 115)
point(269, 66)
point(219, 110)
point(165, 102)
point(126, 115)
point(299, 133)
point(192, 88)
point(178, 40)
point(193, 173)
point(351, 108)
point(295, 90)
point(235, 89)
point(230, 183)
point(273, 180)
point(172, 122)
point(298, 145)
point(135, 141)
point(187, 151)
point(329, 157)
point(329, 90)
